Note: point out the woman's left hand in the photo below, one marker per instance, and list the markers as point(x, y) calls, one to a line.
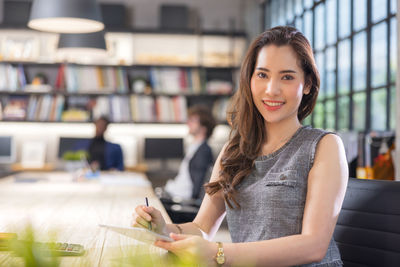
point(191, 248)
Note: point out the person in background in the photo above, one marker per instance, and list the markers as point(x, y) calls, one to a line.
point(104, 155)
point(198, 157)
point(280, 184)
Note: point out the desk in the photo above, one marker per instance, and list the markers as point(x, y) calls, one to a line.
point(53, 202)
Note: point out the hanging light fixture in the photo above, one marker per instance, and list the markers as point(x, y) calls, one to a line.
point(66, 16)
point(80, 45)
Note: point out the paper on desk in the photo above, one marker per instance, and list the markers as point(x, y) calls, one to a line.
point(139, 234)
point(120, 179)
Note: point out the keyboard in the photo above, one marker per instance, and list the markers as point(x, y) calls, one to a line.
point(55, 249)
point(60, 249)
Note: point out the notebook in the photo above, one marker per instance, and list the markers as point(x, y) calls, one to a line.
point(137, 233)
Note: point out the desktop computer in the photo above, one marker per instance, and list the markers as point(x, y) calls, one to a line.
point(7, 155)
point(7, 150)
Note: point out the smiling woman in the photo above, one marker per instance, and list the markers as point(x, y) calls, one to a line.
point(280, 184)
point(277, 84)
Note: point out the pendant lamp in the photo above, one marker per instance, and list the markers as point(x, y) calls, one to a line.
point(66, 16)
point(82, 44)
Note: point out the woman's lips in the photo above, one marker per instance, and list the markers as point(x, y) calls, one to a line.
point(273, 105)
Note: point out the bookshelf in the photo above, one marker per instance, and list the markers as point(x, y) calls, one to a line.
point(147, 78)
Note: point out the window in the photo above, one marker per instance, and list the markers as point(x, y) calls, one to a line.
point(331, 21)
point(359, 111)
point(344, 18)
point(379, 54)
point(355, 47)
point(393, 108)
point(360, 61)
point(393, 49)
point(319, 59)
point(359, 14)
point(344, 61)
point(378, 111)
point(343, 113)
point(319, 27)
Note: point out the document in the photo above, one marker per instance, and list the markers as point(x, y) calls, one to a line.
point(137, 233)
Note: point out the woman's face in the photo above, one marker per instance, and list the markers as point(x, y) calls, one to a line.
point(277, 84)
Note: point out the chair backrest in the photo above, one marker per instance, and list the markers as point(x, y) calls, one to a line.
point(368, 229)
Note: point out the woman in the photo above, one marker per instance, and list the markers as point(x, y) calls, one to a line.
point(280, 184)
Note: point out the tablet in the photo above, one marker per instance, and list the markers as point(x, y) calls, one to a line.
point(137, 233)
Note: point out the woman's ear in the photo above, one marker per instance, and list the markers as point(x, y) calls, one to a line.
point(307, 87)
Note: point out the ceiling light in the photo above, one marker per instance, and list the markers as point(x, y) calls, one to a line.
point(66, 16)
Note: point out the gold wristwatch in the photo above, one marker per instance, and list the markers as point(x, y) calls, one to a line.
point(220, 257)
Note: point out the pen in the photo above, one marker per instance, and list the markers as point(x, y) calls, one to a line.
point(147, 204)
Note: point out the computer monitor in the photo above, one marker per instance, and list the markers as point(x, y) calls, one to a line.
point(163, 148)
point(71, 144)
point(7, 149)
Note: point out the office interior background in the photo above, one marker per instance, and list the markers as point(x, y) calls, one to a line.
point(163, 56)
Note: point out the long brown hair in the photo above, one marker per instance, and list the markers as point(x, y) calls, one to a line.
point(248, 131)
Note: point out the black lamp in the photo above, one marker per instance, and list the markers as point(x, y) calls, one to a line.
point(82, 44)
point(66, 16)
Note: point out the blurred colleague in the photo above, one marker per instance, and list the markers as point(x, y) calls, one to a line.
point(103, 155)
point(198, 157)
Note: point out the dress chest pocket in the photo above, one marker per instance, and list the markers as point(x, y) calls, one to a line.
point(283, 190)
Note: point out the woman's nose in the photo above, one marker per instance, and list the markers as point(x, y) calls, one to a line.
point(272, 87)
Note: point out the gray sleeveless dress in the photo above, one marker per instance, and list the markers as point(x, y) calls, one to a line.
point(272, 197)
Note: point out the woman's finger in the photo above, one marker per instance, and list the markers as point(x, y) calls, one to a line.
point(140, 210)
point(137, 220)
point(177, 237)
point(174, 246)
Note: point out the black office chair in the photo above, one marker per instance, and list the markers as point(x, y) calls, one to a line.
point(368, 229)
point(182, 211)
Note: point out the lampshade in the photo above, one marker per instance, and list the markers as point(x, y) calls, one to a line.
point(82, 44)
point(66, 16)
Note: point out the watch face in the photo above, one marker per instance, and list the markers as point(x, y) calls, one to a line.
point(220, 259)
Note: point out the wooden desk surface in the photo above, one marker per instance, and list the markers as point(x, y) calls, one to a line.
point(52, 202)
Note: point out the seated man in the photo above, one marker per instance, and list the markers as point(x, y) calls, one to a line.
point(198, 158)
point(103, 155)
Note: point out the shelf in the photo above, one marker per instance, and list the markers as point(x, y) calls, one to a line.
point(90, 122)
point(28, 93)
point(132, 66)
point(188, 69)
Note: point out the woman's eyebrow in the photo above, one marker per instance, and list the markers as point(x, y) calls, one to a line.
point(282, 71)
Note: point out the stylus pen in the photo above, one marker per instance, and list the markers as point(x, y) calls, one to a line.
point(147, 204)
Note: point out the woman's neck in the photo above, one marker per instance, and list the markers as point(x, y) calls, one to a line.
point(278, 134)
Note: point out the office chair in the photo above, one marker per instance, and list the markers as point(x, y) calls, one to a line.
point(183, 210)
point(368, 229)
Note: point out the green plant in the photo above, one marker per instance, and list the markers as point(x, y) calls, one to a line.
point(75, 155)
point(25, 249)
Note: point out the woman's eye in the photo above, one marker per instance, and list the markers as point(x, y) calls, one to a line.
point(287, 77)
point(261, 75)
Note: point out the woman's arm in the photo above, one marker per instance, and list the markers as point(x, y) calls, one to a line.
point(327, 182)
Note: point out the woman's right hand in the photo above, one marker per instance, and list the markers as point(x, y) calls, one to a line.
point(144, 215)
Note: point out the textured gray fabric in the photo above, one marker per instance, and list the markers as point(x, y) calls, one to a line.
point(272, 197)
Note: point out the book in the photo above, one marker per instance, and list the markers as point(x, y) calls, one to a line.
point(15, 108)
